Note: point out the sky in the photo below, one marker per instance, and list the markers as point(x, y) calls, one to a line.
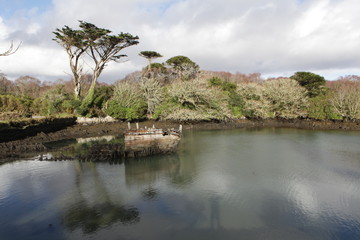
point(271, 37)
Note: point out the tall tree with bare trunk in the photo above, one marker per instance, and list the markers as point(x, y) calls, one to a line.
point(75, 46)
point(96, 44)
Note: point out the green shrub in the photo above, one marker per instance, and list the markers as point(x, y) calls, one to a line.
point(55, 101)
point(321, 108)
point(12, 103)
point(116, 110)
point(193, 101)
point(127, 102)
point(235, 102)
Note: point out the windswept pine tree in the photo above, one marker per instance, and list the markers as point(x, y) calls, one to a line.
point(96, 44)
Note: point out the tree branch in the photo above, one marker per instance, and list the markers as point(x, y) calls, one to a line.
point(11, 50)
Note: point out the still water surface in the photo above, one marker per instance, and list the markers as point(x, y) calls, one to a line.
point(228, 184)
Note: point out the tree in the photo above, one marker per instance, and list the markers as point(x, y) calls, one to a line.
point(150, 55)
point(11, 50)
point(75, 45)
point(346, 99)
point(193, 101)
point(27, 85)
point(184, 66)
point(152, 92)
point(98, 44)
point(313, 83)
point(282, 98)
point(6, 86)
point(353, 78)
point(286, 97)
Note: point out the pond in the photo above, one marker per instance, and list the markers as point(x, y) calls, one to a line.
point(220, 184)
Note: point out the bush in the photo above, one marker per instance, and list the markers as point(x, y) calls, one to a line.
point(235, 102)
point(19, 104)
point(255, 105)
point(194, 100)
point(286, 97)
point(55, 101)
point(93, 104)
point(116, 110)
point(152, 93)
point(320, 108)
point(280, 98)
point(127, 102)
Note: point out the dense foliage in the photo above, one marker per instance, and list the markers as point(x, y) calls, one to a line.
point(312, 82)
point(177, 90)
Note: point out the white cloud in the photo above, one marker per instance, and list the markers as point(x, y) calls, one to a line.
point(3, 30)
point(271, 37)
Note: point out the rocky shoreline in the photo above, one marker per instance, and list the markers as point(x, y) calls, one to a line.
point(33, 139)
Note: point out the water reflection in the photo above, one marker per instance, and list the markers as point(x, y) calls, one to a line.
point(109, 148)
point(90, 215)
point(240, 184)
point(148, 170)
point(215, 222)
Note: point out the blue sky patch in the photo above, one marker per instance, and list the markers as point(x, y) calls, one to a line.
point(9, 7)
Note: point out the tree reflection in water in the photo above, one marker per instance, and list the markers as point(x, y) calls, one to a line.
point(91, 217)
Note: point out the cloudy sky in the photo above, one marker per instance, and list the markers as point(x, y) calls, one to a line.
point(273, 37)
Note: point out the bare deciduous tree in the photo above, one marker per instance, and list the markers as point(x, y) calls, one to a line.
point(6, 86)
point(27, 85)
point(346, 99)
point(283, 98)
point(152, 92)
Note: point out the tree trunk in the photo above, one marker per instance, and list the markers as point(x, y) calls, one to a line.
point(77, 90)
point(90, 95)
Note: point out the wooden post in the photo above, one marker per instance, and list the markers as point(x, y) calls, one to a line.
point(137, 126)
point(129, 126)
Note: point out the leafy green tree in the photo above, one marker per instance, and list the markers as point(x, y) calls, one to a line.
point(55, 101)
point(235, 101)
point(313, 83)
point(185, 67)
point(150, 55)
point(320, 108)
point(98, 44)
point(73, 41)
point(15, 103)
point(101, 96)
